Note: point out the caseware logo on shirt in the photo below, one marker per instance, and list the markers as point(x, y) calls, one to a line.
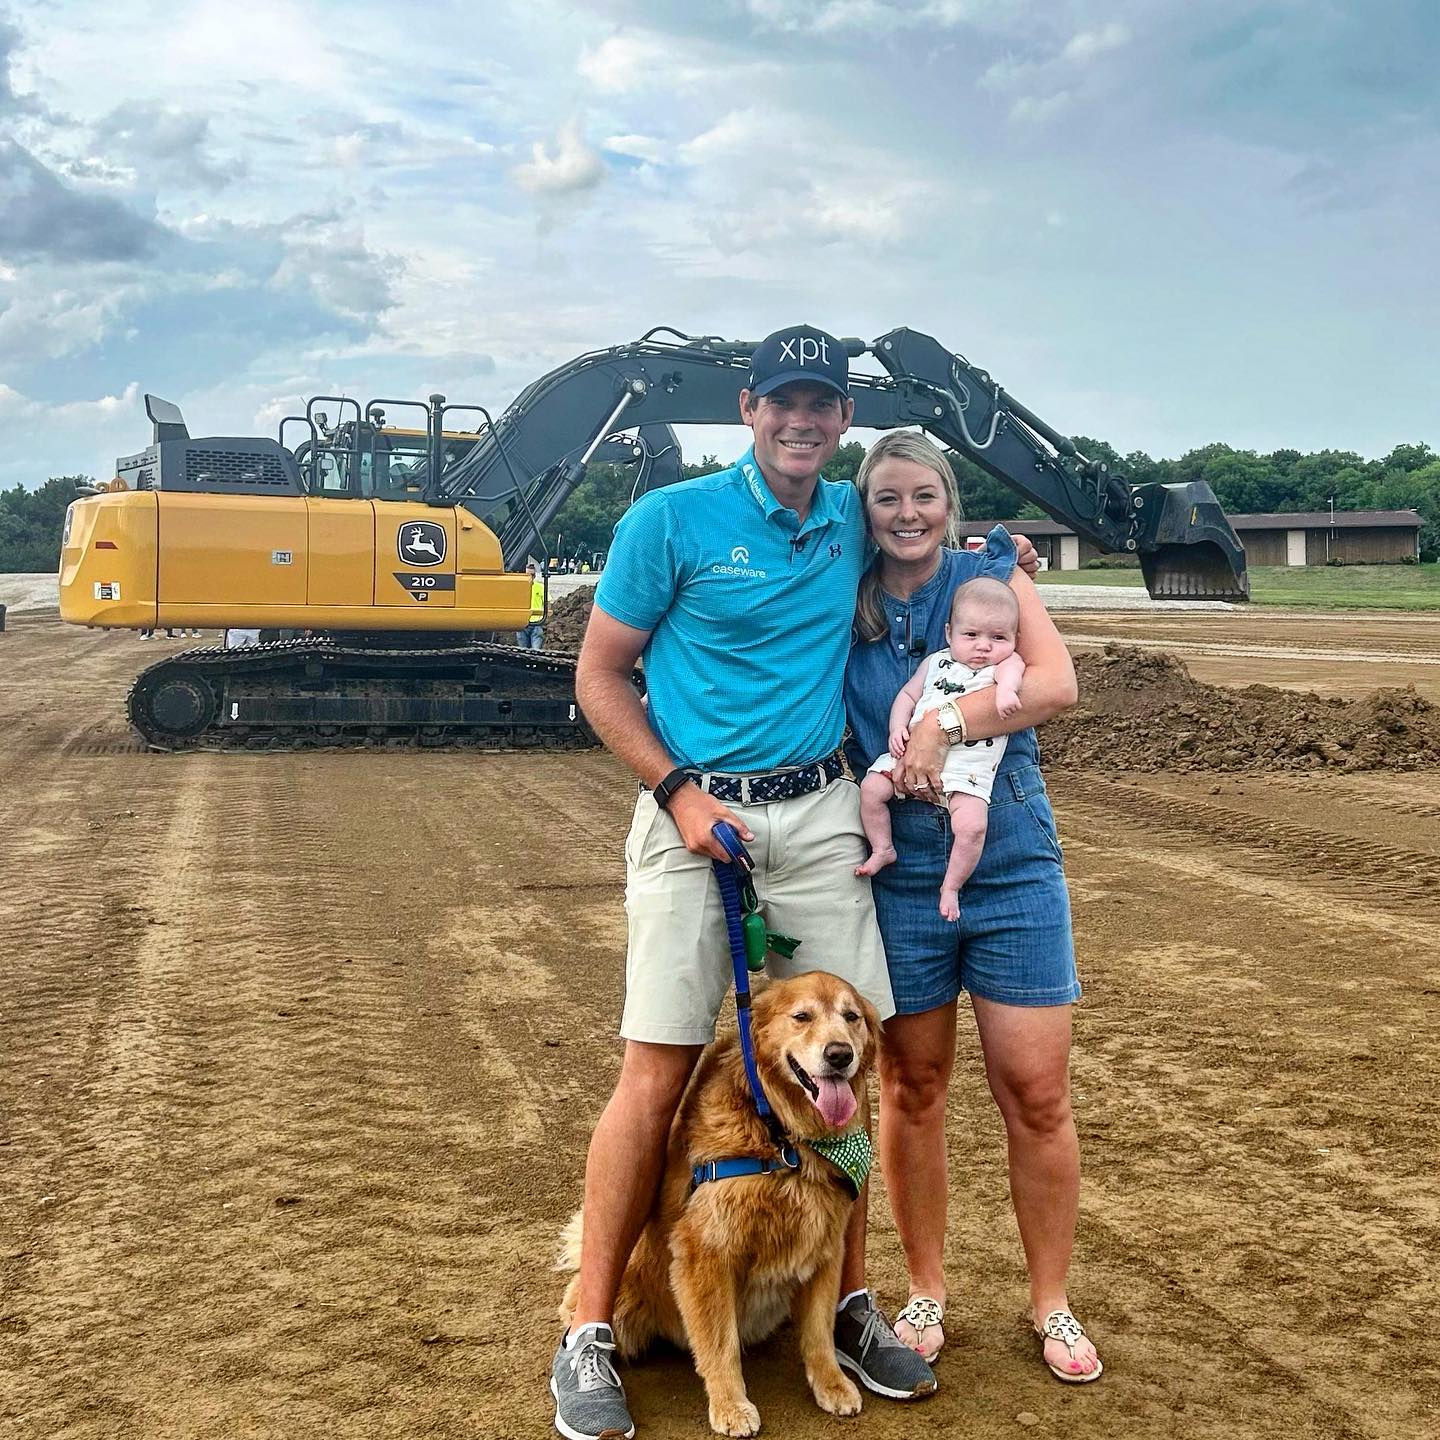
point(739, 565)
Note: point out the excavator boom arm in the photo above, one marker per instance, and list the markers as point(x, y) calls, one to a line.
point(531, 460)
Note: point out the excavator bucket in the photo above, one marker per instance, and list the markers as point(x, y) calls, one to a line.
point(1188, 549)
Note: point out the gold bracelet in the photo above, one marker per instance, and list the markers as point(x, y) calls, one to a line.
point(957, 733)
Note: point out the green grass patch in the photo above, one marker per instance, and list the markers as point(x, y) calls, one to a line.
point(1124, 579)
point(1305, 587)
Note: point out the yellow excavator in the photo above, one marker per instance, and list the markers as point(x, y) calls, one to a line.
point(390, 553)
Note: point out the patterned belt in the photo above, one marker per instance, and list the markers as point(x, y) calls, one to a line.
point(783, 784)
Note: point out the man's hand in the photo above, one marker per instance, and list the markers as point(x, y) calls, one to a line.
point(917, 772)
point(1026, 555)
point(696, 814)
point(1007, 702)
point(899, 738)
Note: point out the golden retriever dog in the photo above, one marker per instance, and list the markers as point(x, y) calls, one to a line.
point(721, 1265)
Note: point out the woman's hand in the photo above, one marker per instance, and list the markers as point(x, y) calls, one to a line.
point(917, 771)
point(1026, 555)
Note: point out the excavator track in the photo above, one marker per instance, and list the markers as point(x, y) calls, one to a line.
point(318, 692)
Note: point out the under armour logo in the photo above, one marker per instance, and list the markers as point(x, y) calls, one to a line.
point(739, 556)
point(834, 552)
point(810, 349)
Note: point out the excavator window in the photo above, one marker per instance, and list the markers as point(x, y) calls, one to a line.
point(332, 474)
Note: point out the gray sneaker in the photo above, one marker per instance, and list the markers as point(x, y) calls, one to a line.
point(589, 1399)
point(870, 1350)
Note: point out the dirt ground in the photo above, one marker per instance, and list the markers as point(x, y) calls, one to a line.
point(302, 1052)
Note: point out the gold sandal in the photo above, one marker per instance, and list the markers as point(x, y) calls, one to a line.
point(921, 1312)
point(1061, 1325)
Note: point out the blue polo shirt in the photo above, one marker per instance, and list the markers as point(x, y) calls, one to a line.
point(749, 613)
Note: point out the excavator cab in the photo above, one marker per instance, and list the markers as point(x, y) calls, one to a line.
point(377, 462)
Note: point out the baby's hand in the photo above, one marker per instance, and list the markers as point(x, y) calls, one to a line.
point(1007, 702)
point(899, 739)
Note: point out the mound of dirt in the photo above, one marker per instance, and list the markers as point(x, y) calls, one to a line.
point(1142, 710)
point(568, 617)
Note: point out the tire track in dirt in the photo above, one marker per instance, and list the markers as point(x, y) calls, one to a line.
point(1409, 877)
point(283, 1106)
point(1262, 651)
point(1265, 1147)
point(1369, 791)
point(382, 990)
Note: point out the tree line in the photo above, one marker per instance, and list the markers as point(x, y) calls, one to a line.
point(31, 522)
point(1244, 482)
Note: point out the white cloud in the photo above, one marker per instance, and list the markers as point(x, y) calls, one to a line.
point(48, 322)
point(637, 147)
point(573, 165)
point(861, 17)
point(164, 144)
point(260, 42)
point(377, 146)
point(1036, 109)
point(791, 197)
point(328, 256)
point(1008, 73)
point(953, 12)
point(625, 62)
point(798, 196)
point(824, 16)
point(1086, 45)
point(107, 407)
point(731, 134)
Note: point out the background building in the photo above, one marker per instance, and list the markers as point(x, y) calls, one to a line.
point(1307, 537)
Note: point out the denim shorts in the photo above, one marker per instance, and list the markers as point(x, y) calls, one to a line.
point(1012, 943)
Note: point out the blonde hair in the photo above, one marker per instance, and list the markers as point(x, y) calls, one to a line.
point(919, 449)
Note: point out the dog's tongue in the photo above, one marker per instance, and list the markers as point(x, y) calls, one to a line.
point(836, 1101)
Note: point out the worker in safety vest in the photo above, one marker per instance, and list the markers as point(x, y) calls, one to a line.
point(532, 637)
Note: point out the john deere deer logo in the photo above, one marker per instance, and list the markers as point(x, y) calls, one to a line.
point(422, 543)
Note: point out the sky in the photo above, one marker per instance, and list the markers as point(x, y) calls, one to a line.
point(1154, 221)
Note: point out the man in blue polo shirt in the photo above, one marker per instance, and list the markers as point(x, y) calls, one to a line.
point(738, 589)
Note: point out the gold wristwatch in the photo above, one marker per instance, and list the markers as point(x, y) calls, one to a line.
point(952, 722)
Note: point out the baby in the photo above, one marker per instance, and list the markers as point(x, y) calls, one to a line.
point(979, 651)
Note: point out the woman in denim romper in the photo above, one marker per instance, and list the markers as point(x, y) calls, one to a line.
point(1011, 948)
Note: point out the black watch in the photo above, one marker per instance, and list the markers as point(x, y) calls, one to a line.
point(670, 784)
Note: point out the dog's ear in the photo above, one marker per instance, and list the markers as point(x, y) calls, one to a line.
point(762, 998)
point(873, 1031)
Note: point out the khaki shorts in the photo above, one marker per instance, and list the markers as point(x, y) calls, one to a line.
point(678, 970)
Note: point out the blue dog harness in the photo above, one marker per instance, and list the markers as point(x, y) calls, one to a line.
point(730, 875)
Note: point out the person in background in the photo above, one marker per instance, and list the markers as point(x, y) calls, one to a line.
point(532, 637)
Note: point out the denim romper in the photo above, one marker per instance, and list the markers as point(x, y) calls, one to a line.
point(1012, 943)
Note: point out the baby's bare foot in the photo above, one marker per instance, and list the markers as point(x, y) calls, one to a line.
point(878, 860)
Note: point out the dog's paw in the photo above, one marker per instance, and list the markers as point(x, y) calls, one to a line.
point(836, 1397)
point(737, 1417)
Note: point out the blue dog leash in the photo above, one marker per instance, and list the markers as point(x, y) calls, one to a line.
point(729, 874)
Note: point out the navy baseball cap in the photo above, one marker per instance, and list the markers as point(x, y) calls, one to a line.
point(799, 352)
